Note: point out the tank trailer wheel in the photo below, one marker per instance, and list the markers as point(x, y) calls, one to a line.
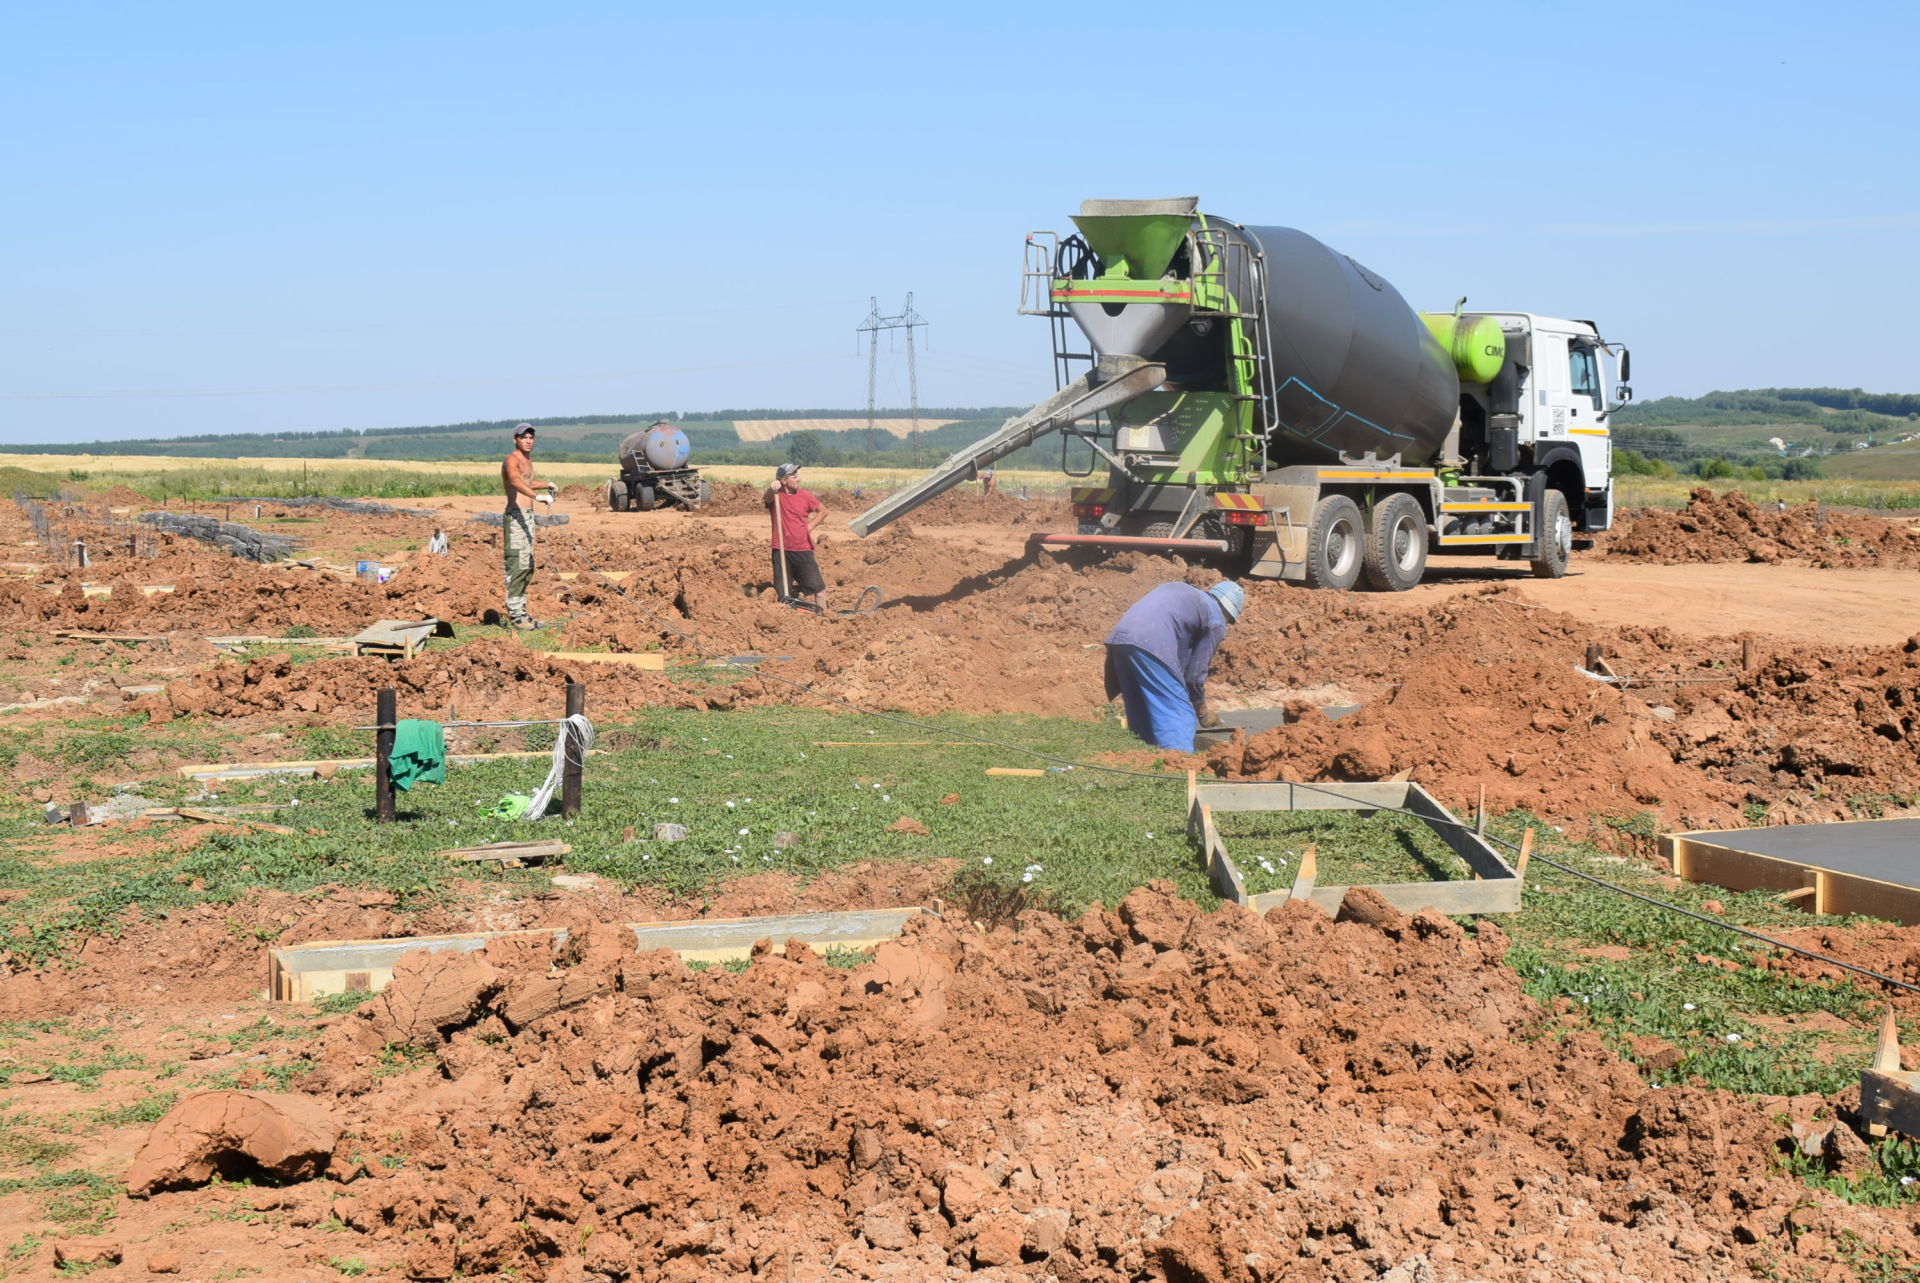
point(1556, 537)
point(706, 492)
point(616, 495)
point(1334, 539)
point(1396, 548)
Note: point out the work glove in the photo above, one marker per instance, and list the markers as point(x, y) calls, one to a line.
point(1207, 716)
point(545, 497)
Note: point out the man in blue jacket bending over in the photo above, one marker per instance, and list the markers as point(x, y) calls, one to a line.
point(1158, 656)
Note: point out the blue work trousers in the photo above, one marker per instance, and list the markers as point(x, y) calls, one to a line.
point(1159, 709)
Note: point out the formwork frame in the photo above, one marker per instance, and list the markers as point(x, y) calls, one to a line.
point(1494, 887)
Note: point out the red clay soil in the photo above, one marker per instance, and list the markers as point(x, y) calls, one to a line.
point(1476, 690)
point(1481, 692)
point(1731, 527)
point(1153, 1093)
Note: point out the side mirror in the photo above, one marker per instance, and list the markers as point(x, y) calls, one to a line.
point(1623, 394)
point(1626, 367)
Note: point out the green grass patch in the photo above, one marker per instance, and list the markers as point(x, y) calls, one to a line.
point(1634, 972)
point(1350, 847)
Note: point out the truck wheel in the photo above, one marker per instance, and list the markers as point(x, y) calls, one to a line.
point(1555, 540)
point(616, 495)
point(1334, 539)
point(643, 498)
point(706, 492)
point(1396, 548)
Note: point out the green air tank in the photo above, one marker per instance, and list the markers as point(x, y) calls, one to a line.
point(1476, 343)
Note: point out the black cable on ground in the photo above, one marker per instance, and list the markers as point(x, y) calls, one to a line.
point(1323, 790)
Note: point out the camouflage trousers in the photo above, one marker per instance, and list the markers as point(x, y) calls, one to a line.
point(517, 544)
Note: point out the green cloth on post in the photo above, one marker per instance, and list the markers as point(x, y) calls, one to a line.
point(419, 753)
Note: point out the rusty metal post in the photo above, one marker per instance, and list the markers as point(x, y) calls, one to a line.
point(1594, 652)
point(1746, 654)
point(386, 714)
point(574, 760)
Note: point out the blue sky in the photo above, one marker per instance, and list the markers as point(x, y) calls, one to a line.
point(226, 217)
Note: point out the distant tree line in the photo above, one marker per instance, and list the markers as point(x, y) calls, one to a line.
point(1733, 409)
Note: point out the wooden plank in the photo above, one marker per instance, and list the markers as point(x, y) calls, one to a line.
point(71, 634)
point(1455, 899)
point(213, 817)
point(651, 660)
point(243, 770)
point(895, 743)
point(508, 851)
point(305, 972)
point(1284, 795)
point(1015, 770)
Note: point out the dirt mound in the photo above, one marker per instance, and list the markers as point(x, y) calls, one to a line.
point(1730, 527)
point(1151, 1093)
point(484, 680)
point(1538, 731)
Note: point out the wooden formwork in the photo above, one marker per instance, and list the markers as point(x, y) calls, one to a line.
point(1494, 888)
point(1889, 1095)
point(1837, 868)
point(304, 972)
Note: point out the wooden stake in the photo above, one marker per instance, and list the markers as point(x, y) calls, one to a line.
point(1014, 770)
point(1480, 815)
point(1886, 1050)
point(386, 713)
point(1746, 654)
point(1526, 853)
point(574, 758)
point(1303, 880)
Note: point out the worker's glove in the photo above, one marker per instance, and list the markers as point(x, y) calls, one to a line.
point(545, 497)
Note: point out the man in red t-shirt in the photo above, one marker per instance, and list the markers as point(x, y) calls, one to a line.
point(796, 515)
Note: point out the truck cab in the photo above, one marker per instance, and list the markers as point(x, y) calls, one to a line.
point(1546, 411)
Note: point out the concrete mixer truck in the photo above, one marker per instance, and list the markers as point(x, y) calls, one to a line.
point(1261, 400)
point(654, 473)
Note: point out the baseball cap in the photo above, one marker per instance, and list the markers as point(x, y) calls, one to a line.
point(1232, 598)
point(525, 430)
point(786, 470)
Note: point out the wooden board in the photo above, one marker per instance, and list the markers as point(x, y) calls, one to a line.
point(247, 770)
point(305, 972)
point(508, 852)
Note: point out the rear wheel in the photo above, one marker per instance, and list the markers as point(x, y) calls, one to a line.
point(1556, 537)
point(616, 493)
point(1396, 548)
point(1334, 539)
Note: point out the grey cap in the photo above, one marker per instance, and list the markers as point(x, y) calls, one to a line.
point(786, 470)
point(525, 430)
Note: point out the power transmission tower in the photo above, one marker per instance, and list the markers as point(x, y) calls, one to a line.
point(871, 327)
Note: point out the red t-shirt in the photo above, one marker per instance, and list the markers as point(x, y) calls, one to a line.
point(793, 518)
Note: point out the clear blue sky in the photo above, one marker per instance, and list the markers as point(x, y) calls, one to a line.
point(270, 217)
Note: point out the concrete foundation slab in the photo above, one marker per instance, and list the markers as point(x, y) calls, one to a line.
point(1858, 866)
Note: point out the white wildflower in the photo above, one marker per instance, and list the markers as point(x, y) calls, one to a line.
point(1687, 1006)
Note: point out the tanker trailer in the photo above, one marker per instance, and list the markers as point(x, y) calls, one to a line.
point(1260, 399)
point(653, 473)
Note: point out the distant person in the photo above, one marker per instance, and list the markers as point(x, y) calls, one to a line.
point(437, 546)
point(1158, 656)
point(516, 530)
point(795, 571)
point(987, 482)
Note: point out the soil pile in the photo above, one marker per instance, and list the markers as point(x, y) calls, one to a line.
point(491, 680)
point(1730, 527)
point(1150, 1093)
point(1482, 692)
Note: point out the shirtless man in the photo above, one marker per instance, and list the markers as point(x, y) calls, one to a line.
point(516, 476)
